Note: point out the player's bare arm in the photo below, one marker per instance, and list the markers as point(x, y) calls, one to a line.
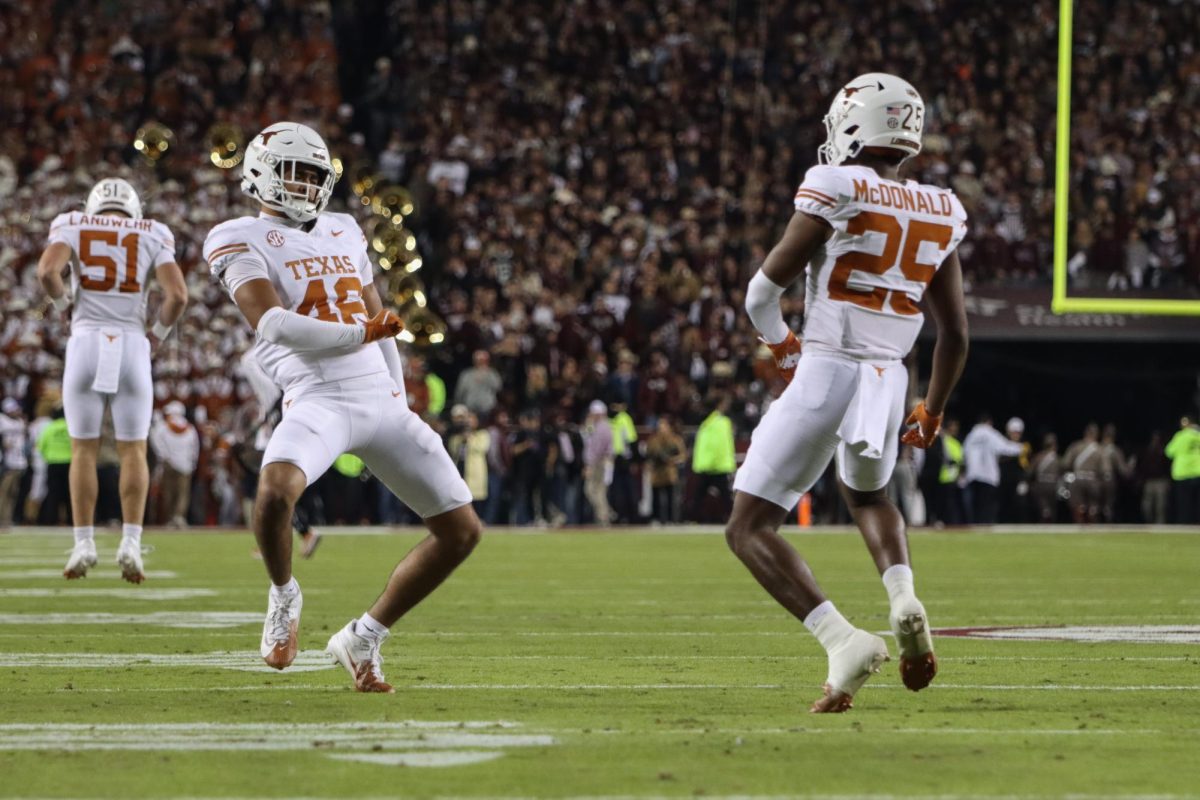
point(50, 273)
point(175, 296)
point(785, 263)
point(945, 295)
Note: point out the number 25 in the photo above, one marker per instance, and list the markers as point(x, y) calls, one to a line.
point(918, 232)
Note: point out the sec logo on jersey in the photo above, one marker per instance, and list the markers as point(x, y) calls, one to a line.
point(275, 239)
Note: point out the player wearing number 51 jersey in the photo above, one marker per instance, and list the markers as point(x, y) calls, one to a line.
point(872, 247)
point(304, 283)
point(110, 251)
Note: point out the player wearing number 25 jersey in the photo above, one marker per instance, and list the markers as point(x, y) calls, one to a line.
point(871, 246)
point(110, 250)
point(304, 283)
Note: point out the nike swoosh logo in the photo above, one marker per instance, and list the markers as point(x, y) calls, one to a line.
point(336, 233)
point(397, 394)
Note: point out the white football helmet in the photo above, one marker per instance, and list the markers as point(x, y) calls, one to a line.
point(873, 110)
point(270, 167)
point(114, 194)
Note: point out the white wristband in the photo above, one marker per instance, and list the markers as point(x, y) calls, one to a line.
point(161, 331)
point(60, 303)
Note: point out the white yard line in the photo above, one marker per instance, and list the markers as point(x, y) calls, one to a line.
point(132, 593)
point(164, 619)
point(244, 661)
point(648, 687)
point(94, 574)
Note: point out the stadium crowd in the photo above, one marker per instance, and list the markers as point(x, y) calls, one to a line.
point(594, 186)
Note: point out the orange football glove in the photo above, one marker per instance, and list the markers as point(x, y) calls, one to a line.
point(927, 427)
point(383, 325)
point(787, 356)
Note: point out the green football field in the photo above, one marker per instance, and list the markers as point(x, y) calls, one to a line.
point(602, 665)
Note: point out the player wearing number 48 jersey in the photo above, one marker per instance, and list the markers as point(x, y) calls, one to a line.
point(110, 251)
point(304, 283)
point(872, 247)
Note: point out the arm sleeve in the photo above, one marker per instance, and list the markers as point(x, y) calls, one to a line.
point(762, 305)
point(304, 333)
point(391, 354)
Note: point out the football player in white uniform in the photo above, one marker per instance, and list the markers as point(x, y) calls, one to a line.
point(872, 245)
point(304, 283)
point(110, 250)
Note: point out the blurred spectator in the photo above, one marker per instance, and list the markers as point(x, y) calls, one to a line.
point(499, 462)
point(597, 461)
point(478, 386)
point(982, 449)
point(1184, 452)
point(1014, 487)
point(713, 464)
point(528, 469)
point(14, 459)
point(54, 443)
point(942, 476)
point(1045, 470)
point(47, 405)
point(1113, 467)
point(469, 447)
point(623, 492)
point(665, 453)
point(1083, 462)
point(1153, 475)
point(565, 467)
point(177, 446)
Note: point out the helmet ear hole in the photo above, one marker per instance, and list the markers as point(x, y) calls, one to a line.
point(853, 129)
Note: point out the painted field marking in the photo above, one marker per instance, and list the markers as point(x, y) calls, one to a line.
point(242, 661)
point(123, 594)
point(420, 743)
point(449, 758)
point(637, 687)
point(164, 619)
point(29, 574)
point(1141, 634)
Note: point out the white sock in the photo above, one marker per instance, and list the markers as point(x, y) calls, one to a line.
point(828, 625)
point(288, 589)
point(898, 580)
point(370, 627)
point(132, 533)
point(84, 533)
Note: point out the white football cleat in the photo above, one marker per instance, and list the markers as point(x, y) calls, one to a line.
point(281, 630)
point(360, 656)
point(129, 559)
point(83, 557)
point(910, 626)
point(851, 663)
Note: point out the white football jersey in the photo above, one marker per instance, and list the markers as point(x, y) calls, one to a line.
point(889, 238)
point(318, 273)
point(111, 259)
